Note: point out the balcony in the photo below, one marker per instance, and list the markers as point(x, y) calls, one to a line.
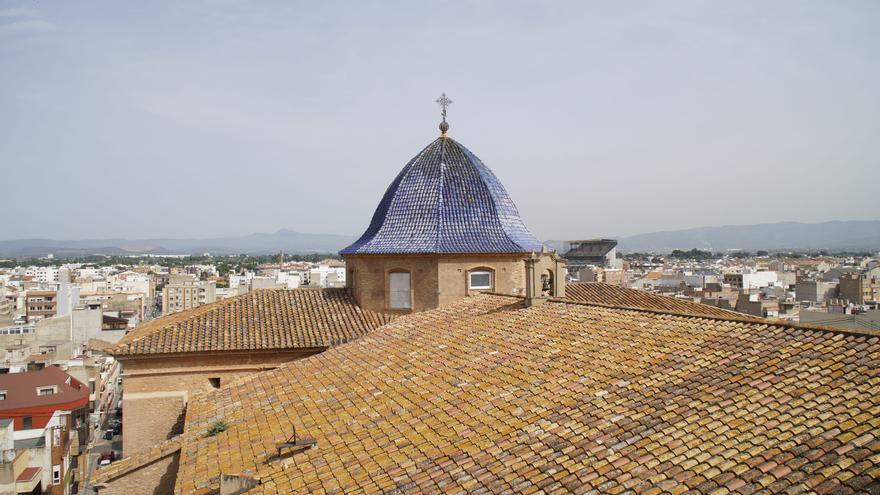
point(28, 480)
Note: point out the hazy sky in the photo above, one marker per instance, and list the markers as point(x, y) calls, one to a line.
point(205, 118)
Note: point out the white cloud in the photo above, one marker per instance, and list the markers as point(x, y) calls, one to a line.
point(27, 26)
point(18, 13)
point(23, 21)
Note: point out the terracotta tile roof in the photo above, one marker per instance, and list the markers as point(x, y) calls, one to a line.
point(622, 297)
point(99, 345)
point(258, 320)
point(22, 390)
point(485, 396)
point(28, 474)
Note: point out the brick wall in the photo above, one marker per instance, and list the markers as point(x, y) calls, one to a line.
point(150, 421)
point(155, 478)
point(156, 390)
point(508, 275)
point(370, 279)
point(436, 280)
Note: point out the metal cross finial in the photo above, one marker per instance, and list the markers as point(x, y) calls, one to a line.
point(444, 103)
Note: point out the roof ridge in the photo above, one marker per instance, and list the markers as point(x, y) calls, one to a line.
point(152, 327)
point(440, 194)
point(258, 320)
point(581, 291)
point(374, 228)
point(482, 170)
point(493, 200)
point(744, 319)
point(139, 459)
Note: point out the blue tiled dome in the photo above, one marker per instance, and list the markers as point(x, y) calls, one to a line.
point(445, 201)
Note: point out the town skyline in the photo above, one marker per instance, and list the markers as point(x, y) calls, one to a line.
point(779, 237)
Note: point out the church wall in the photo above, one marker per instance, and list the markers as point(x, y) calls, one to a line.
point(508, 275)
point(156, 390)
point(155, 478)
point(556, 266)
point(368, 276)
point(436, 280)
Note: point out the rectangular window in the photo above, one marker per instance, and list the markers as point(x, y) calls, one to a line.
point(480, 280)
point(399, 297)
point(3, 395)
point(46, 390)
point(27, 423)
point(56, 475)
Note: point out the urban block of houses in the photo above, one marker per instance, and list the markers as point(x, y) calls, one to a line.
point(43, 426)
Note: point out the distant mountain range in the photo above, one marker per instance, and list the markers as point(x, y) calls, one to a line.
point(836, 236)
point(288, 241)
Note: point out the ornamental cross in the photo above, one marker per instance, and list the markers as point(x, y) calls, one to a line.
point(444, 103)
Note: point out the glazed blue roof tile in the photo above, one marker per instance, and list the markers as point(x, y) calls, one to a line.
point(445, 201)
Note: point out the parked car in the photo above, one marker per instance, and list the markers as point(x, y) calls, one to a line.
point(109, 455)
point(108, 435)
point(104, 462)
point(117, 429)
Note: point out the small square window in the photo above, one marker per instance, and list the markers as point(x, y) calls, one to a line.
point(215, 382)
point(3, 395)
point(480, 280)
point(56, 475)
point(46, 390)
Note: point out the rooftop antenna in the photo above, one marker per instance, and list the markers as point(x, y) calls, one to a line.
point(444, 103)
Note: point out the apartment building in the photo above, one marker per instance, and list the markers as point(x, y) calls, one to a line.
point(48, 412)
point(859, 288)
point(815, 291)
point(7, 308)
point(40, 304)
point(187, 294)
point(750, 280)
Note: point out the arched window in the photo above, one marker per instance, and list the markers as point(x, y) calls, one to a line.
point(547, 286)
point(481, 279)
point(399, 290)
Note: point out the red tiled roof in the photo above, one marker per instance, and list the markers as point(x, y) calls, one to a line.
point(258, 320)
point(486, 396)
point(21, 389)
point(622, 297)
point(99, 345)
point(28, 474)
